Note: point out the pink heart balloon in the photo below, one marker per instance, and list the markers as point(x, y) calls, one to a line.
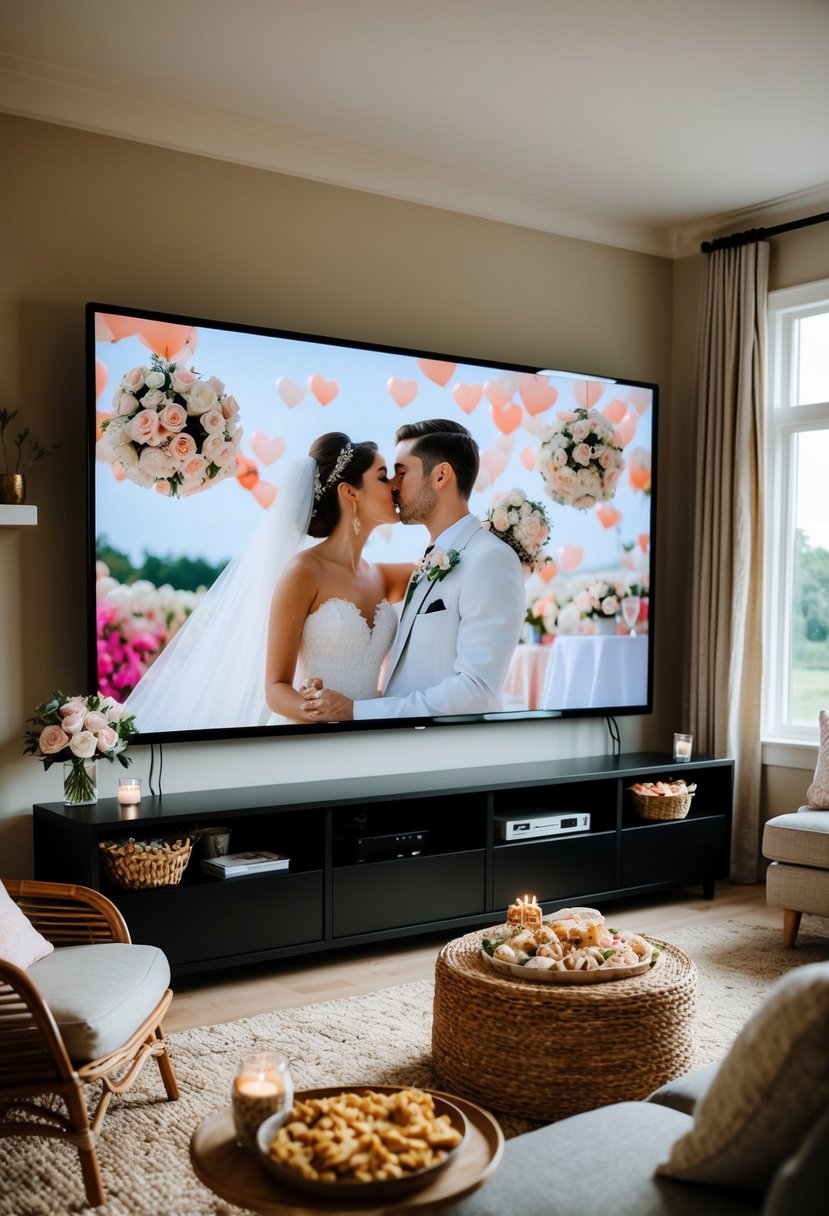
point(437, 370)
point(264, 493)
point(118, 470)
point(534, 425)
point(324, 390)
point(640, 399)
point(267, 447)
point(101, 377)
point(290, 392)
point(117, 327)
point(570, 557)
point(507, 420)
point(494, 463)
point(587, 392)
point(537, 393)
point(495, 393)
point(615, 411)
point(626, 430)
point(168, 340)
point(608, 516)
point(527, 458)
point(402, 392)
point(548, 573)
point(467, 396)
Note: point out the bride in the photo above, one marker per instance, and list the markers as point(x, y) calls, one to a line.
point(278, 616)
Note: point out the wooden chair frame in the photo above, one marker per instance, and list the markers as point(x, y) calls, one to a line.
point(33, 1059)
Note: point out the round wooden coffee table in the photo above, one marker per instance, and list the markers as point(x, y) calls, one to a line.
point(544, 1051)
point(239, 1177)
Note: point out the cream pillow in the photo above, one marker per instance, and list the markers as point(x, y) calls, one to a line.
point(769, 1091)
point(818, 792)
point(20, 942)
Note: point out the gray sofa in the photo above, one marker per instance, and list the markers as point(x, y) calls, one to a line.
point(750, 1135)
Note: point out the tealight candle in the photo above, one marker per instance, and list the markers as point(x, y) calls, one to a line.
point(682, 747)
point(129, 790)
point(262, 1087)
point(525, 912)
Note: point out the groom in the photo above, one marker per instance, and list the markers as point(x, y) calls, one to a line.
point(458, 632)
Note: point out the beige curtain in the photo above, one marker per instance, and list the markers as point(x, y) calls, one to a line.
point(726, 639)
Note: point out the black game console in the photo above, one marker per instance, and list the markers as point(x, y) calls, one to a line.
point(375, 841)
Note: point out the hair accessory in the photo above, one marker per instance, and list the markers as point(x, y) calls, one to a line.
point(335, 474)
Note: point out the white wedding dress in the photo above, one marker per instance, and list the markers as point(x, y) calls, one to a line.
point(344, 650)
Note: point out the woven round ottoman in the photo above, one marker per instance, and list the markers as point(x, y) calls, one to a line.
point(545, 1051)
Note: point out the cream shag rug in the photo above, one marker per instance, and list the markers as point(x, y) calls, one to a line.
point(382, 1038)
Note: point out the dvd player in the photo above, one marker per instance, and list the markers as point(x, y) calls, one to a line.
point(374, 842)
point(535, 824)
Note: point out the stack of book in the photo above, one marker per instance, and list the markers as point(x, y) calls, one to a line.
point(234, 865)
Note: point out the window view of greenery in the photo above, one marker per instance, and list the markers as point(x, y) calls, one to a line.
point(810, 590)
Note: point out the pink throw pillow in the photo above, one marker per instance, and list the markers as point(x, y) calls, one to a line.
point(20, 942)
point(817, 794)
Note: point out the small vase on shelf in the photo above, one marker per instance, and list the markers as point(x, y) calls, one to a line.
point(80, 782)
point(12, 489)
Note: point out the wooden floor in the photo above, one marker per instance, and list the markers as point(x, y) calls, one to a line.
point(246, 991)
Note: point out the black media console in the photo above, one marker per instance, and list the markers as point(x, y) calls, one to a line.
point(454, 877)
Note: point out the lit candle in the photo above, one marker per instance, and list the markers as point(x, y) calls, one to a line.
point(261, 1088)
point(682, 747)
point(525, 912)
point(129, 790)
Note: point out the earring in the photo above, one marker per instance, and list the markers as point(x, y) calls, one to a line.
point(356, 522)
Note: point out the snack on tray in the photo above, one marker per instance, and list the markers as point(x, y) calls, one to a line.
point(571, 939)
point(364, 1136)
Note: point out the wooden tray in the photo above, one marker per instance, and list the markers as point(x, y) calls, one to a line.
point(240, 1177)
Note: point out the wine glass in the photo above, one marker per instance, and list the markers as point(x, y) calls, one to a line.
point(630, 612)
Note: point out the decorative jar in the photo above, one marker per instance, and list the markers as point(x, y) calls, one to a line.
point(80, 782)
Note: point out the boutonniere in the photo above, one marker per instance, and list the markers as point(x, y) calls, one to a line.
point(434, 566)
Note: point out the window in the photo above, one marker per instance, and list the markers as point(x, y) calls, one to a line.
point(796, 676)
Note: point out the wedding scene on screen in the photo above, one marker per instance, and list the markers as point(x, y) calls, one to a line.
point(198, 425)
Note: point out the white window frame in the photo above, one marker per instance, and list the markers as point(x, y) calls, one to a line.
point(784, 422)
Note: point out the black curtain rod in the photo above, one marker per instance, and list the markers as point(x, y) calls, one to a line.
point(760, 234)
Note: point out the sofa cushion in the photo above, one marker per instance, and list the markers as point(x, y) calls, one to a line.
point(600, 1163)
point(800, 838)
point(20, 942)
point(800, 1183)
point(768, 1092)
point(99, 995)
point(684, 1093)
point(818, 791)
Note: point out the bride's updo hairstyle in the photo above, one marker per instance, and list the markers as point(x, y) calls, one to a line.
point(338, 460)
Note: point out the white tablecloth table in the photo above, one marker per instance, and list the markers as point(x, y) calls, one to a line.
point(592, 672)
point(525, 678)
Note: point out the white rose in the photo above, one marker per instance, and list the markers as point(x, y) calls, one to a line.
point(217, 385)
point(201, 398)
point(155, 462)
point(610, 605)
point(152, 400)
point(154, 380)
point(126, 404)
point(107, 739)
point(127, 455)
point(83, 744)
point(500, 520)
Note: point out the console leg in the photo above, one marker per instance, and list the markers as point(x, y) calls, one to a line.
point(708, 888)
point(791, 924)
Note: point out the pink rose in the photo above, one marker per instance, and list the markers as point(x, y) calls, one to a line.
point(226, 455)
point(195, 467)
point(567, 416)
point(134, 379)
point(183, 447)
point(213, 421)
point(75, 705)
point(95, 722)
point(183, 379)
point(83, 744)
point(173, 417)
point(107, 739)
point(74, 722)
point(230, 406)
point(52, 739)
point(581, 453)
point(126, 404)
point(163, 487)
point(144, 427)
point(217, 385)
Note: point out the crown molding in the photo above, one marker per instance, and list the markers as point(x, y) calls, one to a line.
point(688, 238)
point(39, 91)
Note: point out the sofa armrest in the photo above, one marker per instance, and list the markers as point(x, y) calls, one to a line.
point(684, 1093)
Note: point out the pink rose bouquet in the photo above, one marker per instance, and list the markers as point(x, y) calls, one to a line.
point(523, 525)
point(76, 729)
point(579, 459)
point(171, 429)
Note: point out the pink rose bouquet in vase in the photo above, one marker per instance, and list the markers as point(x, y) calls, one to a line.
point(579, 459)
point(523, 525)
point(171, 429)
point(77, 731)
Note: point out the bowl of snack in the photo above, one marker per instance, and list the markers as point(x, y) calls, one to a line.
point(661, 799)
point(570, 946)
point(353, 1143)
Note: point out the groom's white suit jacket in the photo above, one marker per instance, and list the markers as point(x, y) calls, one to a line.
point(456, 635)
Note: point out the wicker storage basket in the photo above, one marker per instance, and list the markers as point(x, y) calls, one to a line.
point(662, 806)
point(138, 865)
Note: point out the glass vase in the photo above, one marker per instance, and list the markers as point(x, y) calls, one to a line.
point(80, 782)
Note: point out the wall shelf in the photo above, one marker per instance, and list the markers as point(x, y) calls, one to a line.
point(17, 517)
point(460, 877)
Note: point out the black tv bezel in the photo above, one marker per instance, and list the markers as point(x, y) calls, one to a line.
point(328, 729)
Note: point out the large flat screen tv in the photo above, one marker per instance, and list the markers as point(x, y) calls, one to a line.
point(195, 426)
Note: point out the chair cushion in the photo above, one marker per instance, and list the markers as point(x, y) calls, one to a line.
point(100, 994)
point(800, 838)
point(769, 1091)
point(818, 791)
point(20, 942)
point(600, 1163)
point(684, 1093)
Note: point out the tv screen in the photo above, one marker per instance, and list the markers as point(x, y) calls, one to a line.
point(201, 435)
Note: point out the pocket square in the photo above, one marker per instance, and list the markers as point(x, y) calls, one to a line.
point(435, 606)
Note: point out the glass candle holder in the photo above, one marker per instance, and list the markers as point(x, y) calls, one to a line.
point(129, 791)
point(683, 745)
point(262, 1087)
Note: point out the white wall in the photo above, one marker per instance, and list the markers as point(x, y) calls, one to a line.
point(87, 217)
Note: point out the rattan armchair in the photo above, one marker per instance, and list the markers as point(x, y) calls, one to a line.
point(34, 1060)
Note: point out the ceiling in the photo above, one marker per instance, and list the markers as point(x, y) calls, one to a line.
point(647, 124)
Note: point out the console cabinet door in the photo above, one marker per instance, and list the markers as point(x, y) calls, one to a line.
point(555, 869)
point(409, 891)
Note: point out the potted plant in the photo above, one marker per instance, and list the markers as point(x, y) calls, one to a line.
point(14, 465)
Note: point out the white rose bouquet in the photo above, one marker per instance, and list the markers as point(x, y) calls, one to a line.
point(598, 600)
point(76, 729)
point(523, 525)
point(578, 459)
point(172, 429)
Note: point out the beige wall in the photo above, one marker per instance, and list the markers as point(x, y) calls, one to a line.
point(86, 217)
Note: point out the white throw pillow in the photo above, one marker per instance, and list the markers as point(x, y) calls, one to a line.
point(20, 942)
point(818, 792)
point(771, 1088)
